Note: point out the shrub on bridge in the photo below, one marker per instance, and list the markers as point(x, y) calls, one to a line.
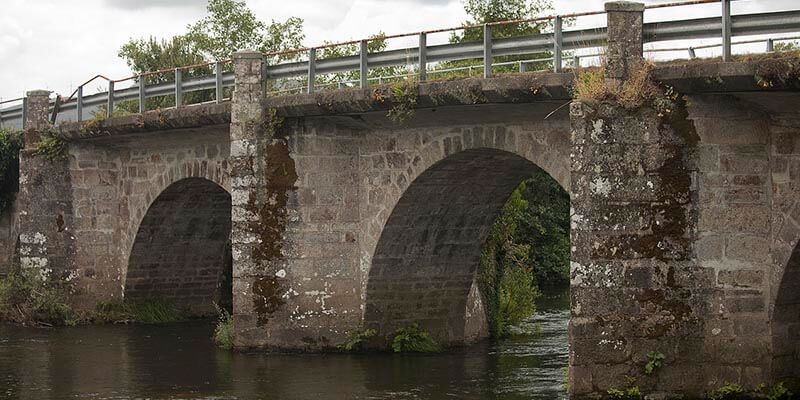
point(10, 145)
point(31, 298)
point(412, 339)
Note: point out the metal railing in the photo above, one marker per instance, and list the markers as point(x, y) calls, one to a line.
point(423, 56)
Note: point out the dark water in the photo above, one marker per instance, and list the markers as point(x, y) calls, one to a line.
point(180, 362)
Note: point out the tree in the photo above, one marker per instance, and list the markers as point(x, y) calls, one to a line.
point(10, 145)
point(375, 44)
point(487, 11)
point(231, 26)
point(147, 55)
point(527, 247)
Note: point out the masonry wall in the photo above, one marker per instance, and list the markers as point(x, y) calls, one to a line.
point(735, 207)
point(9, 235)
point(346, 183)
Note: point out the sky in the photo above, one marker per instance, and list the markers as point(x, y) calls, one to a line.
point(57, 44)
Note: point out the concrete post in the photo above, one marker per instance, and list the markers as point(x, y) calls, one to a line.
point(246, 116)
point(45, 240)
point(624, 39)
point(37, 123)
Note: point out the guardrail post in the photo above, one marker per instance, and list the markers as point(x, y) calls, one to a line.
point(218, 83)
point(79, 103)
point(312, 68)
point(487, 50)
point(557, 43)
point(363, 63)
point(770, 45)
point(110, 104)
point(576, 62)
point(142, 104)
point(36, 113)
point(624, 40)
point(178, 88)
point(522, 66)
point(726, 30)
point(423, 57)
point(691, 52)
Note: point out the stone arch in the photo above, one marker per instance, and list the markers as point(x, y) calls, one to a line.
point(785, 318)
point(436, 217)
point(180, 250)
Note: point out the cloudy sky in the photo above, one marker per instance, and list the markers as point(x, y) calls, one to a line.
point(58, 44)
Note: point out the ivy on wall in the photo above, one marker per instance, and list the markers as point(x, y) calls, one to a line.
point(10, 145)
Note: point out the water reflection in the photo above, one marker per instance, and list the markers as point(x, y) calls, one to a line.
point(179, 361)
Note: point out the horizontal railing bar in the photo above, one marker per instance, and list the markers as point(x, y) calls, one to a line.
point(741, 25)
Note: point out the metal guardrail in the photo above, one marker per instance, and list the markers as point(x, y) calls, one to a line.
point(725, 26)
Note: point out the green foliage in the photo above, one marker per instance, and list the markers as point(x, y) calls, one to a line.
point(376, 44)
point(654, 362)
point(404, 99)
point(52, 147)
point(145, 55)
point(223, 332)
point(487, 11)
point(630, 393)
point(412, 339)
point(28, 296)
point(355, 339)
point(565, 378)
point(231, 26)
point(527, 246)
point(776, 392)
point(729, 391)
point(151, 310)
point(787, 46)
point(10, 145)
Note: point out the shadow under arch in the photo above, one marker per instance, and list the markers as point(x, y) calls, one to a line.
point(424, 265)
point(786, 324)
point(181, 252)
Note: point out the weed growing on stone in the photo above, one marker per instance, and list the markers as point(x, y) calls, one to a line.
point(638, 90)
point(223, 332)
point(30, 298)
point(565, 378)
point(412, 339)
point(629, 393)
point(654, 362)
point(404, 99)
point(729, 391)
point(355, 339)
point(775, 392)
point(151, 310)
point(52, 147)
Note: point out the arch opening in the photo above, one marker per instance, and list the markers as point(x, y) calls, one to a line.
point(786, 325)
point(425, 264)
point(181, 252)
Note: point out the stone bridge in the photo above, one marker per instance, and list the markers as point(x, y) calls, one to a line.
point(318, 215)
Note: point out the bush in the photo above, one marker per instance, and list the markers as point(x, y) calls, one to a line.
point(10, 145)
point(639, 89)
point(355, 339)
point(412, 339)
point(729, 391)
point(151, 310)
point(223, 332)
point(28, 297)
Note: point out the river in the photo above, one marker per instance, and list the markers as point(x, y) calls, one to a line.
point(179, 361)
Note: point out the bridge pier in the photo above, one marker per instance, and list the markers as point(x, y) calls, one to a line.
point(46, 239)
